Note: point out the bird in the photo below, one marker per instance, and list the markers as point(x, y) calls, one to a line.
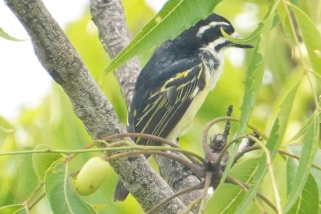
point(175, 81)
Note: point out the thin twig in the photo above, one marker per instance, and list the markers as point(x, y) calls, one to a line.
point(244, 151)
point(33, 193)
point(196, 169)
point(207, 185)
point(298, 158)
point(148, 136)
point(213, 122)
point(33, 203)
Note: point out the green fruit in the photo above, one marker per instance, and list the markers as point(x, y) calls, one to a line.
point(91, 176)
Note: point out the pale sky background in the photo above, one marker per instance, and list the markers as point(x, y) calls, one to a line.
point(23, 81)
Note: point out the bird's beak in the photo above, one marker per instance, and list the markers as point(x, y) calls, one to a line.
point(241, 45)
point(232, 44)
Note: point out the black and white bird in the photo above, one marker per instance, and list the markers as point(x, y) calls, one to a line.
point(175, 82)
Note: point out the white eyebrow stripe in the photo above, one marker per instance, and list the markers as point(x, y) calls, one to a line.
point(213, 24)
point(210, 25)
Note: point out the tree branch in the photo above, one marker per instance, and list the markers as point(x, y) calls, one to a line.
point(113, 32)
point(63, 63)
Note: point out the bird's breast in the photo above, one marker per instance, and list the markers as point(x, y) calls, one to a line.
point(213, 65)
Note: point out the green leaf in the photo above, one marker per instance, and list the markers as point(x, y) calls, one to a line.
point(25, 180)
point(256, 69)
point(304, 129)
point(42, 161)
point(5, 126)
point(291, 169)
point(22, 211)
point(3, 34)
point(308, 200)
point(61, 194)
point(273, 144)
point(310, 145)
point(286, 22)
point(253, 80)
point(253, 37)
point(311, 37)
point(11, 208)
point(173, 18)
point(297, 150)
point(317, 173)
point(227, 196)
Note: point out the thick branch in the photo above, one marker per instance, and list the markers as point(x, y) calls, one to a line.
point(110, 20)
point(62, 62)
point(114, 35)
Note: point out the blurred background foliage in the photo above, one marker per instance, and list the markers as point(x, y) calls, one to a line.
point(53, 122)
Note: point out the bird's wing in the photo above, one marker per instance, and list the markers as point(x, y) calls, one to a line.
point(159, 110)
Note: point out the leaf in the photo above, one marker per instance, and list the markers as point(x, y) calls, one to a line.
point(285, 21)
point(310, 145)
point(291, 168)
point(311, 37)
point(25, 180)
point(227, 196)
point(3, 34)
point(256, 69)
point(42, 161)
point(253, 36)
point(22, 211)
point(272, 145)
point(11, 208)
point(253, 80)
point(304, 129)
point(173, 18)
point(308, 199)
point(5, 126)
point(61, 194)
point(297, 150)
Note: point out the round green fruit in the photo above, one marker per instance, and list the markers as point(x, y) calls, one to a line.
point(91, 176)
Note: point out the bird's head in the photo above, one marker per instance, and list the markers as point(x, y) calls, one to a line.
point(207, 33)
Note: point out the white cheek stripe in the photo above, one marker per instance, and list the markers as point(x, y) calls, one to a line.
point(210, 25)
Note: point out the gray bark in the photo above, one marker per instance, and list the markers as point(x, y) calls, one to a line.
point(110, 20)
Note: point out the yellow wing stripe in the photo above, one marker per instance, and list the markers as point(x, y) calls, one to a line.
point(160, 115)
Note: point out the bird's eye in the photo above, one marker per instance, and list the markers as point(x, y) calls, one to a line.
point(227, 29)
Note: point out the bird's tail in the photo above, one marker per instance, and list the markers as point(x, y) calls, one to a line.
point(121, 192)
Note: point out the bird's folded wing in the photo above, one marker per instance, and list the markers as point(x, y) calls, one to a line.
point(165, 105)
